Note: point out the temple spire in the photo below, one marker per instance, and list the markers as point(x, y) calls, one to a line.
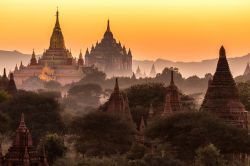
point(57, 39)
point(222, 52)
point(4, 73)
point(57, 18)
point(172, 77)
point(108, 26)
point(116, 89)
point(22, 122)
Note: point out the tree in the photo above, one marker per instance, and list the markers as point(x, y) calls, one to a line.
point(209, 156)
point(4, 124)
point(244, 92)
point(42, 113)
point(52, 85)
point(4, 96)
point(188, 131)
point(93, 75)
point(101, 134)
point(85, 95)
point(142, 95)
point(137, 151)
point(54, 147)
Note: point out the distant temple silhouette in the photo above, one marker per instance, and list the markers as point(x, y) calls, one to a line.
point(247, 70)
point(110, 56)
point(8, 84)
point(222, 97)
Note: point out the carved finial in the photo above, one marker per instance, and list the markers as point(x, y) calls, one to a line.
point(108, 26)
point(222, 51)
point(116, 85)
point(4, 73)
point(172, 77)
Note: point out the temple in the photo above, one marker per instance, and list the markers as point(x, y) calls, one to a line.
point(138, 72)
point(8, 84)
point(222, 96)
point(172, 99)
point(153, 71)
point(57, 60)
point(109, 56)
point(247, 70)
point(118, 104)
point(22, 152)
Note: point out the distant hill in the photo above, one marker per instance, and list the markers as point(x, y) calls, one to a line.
point(9, 59)
point(237, 66)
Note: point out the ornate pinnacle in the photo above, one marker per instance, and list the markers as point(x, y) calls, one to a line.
point(222, 52)
point(172, 77)
point(116, 89)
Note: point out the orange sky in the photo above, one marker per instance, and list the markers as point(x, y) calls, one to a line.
point(179, 30)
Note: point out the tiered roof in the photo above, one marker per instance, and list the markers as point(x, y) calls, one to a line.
point(222, 96)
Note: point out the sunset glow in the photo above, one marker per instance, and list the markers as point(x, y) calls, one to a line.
point(179, 30)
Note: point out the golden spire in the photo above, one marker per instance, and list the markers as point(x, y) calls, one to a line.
point(57, 39)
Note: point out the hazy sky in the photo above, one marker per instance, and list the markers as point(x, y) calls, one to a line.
point(179, 30)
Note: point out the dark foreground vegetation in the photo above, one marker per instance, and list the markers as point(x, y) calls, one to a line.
point(75, 131)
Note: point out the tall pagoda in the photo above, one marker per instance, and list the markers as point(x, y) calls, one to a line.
point(172, 99)
point(222, 96)
point(56, 60)
point(153, 71)
point(110, 56)
point(23, 152)
point(118, 104)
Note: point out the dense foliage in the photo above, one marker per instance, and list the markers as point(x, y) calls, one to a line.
point(186, 132)
point(101, 134)
point(42, 113)
point(244, 92)
point(53, 146)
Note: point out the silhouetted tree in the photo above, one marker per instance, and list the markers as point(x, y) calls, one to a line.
point(54, 147)
point(101, 134)
point(42, 113)
point(188, 131)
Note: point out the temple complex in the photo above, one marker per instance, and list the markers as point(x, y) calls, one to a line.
point(22, 152)
point(56, 63)
point(118, 104)
point(172, 99)
point(8, 84)
point(247, 70)
point(110, 56)
point(152, 71)
point(222, 96)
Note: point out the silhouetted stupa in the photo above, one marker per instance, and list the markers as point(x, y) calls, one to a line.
point(172, 100)
point(118, 104)
point(222, 97)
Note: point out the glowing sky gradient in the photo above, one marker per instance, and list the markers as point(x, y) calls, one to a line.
point(179, 30)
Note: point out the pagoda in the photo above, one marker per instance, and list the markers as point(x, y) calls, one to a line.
point(222, 96)
point(247, 70)
point(172, 99)
point(57, 59)
point(153, 71)
point(22, 152)
point(118, 104)
point(110, 56)
point(138, 72)
point(8, 84)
